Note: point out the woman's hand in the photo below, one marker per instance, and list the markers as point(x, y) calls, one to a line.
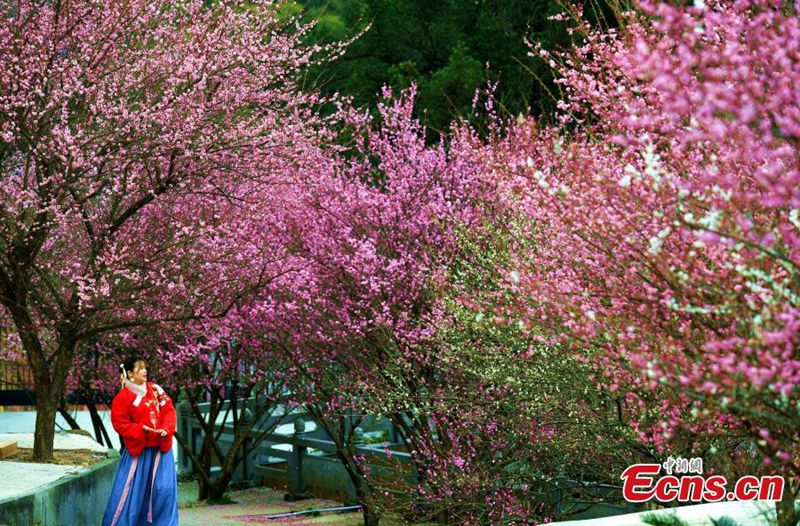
point(161, 432)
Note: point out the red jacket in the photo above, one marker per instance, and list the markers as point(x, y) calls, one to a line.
point(131, 411)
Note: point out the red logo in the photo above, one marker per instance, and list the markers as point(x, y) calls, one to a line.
point(642, 482)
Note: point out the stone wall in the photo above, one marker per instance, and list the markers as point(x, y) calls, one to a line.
point(78, 499)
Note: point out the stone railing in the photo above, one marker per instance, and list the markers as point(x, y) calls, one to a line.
point(299, 455)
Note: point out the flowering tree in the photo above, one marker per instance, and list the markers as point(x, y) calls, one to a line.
point(129, 133)
point(243, 381)
point(665, 220)
point(523, 423)
point(358, 318)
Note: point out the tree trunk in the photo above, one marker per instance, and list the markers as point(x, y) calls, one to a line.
point(203, 489)
point(785, 508)
point(48, 393)
point(46, 403)
point(216, 490)
point(99, 427)
point(204, 482)
point(213, 490)
point(371, 518)
point(65, 414)
point(363, 491)
point(46, 406)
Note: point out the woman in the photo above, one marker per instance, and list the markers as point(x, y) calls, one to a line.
point(146, 486)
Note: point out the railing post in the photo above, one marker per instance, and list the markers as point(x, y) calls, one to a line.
point(246, 421)
point(358, 437)
point(185, 429)
point(298, 489)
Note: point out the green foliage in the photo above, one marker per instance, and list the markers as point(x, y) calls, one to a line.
point(289, 10)
point(376, 438)
point(558, 420)
point(444, 48)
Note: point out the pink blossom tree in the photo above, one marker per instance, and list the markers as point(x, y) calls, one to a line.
point(359, 320)
point(664, 221)
point(130, 133)
point(242, 379)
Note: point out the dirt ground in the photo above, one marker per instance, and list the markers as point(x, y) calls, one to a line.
point(62, 457)
point(252, 506)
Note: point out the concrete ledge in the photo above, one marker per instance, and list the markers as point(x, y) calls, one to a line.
point(78, 498)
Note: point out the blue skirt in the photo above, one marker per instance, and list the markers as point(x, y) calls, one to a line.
point(145, 491)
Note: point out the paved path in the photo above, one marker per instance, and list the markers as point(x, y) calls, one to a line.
point(251, 508)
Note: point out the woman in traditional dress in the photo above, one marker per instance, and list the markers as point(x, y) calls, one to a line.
point(146, 486)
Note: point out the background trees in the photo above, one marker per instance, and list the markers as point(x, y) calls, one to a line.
point(444, 48)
